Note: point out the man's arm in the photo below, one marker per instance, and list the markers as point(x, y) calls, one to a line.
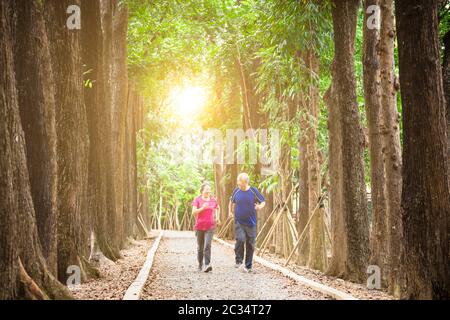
point(260, 206)
point(260, 198)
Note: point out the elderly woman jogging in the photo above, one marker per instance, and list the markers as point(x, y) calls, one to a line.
point(205, 208)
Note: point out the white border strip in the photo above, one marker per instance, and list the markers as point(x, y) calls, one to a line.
point(339, 295)
point(135, 289)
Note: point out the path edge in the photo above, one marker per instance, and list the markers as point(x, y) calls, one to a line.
point(135, 289)
point(336, 294)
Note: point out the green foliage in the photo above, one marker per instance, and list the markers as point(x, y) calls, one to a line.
point(173, 41)
point(214, 42)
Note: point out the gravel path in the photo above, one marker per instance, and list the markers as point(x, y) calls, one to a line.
point(174, 275)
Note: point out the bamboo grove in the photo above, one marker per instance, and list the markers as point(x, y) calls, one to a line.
point(358, 91)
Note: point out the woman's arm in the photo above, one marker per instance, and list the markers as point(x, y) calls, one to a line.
point(196, 211)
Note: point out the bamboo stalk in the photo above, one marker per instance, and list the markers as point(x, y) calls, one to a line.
point(292, 228)
point(225, 228)
point(266, 239)
point(275, 210)
point(285, 235)
point(263, 244)
point(269, 235)
point(266, 222)
point(182, 220)
point(304, 231)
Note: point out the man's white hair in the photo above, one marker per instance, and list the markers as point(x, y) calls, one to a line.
point(244, 177)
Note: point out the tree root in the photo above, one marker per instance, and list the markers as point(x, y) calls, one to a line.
point(102, 245)
point(31, 290)
point(89, 271)
point(41, 284)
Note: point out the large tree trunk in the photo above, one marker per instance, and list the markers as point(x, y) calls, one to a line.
point(97, 51)
point(23, 271)
point(391, 142)
point(446, 76)
point(425, 197)
point(130, 165)
point(36, 94)
point(106, 11)
point(372, 97)
point(73, 141)
point(338, 237)
point(354, 203)
point(119, 105)
point(128, 205)
point(317, 254)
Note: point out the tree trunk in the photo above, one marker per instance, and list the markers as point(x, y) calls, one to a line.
point(317, 258)
point(130, 165)
point(36, 91)
point(72, 142)
point(119, 104)
point(106, 11)
point(425, 195)
point(303, 209)
point(354, 203)
point(96, 33)
point(23, 271)
point(391, 142)
point(372, 97)
point(338, 238)
point(446, 76)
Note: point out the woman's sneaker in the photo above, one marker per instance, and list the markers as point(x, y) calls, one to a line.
point(248, 270)
point(200, 268)
point(208, 268)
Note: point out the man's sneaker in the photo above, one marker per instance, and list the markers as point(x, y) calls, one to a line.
point(238, 265)
point(208, 268)
point(248, 270)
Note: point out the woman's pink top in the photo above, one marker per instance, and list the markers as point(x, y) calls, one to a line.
point(205, 219)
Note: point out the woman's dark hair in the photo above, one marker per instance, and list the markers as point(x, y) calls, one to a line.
point(204, 184)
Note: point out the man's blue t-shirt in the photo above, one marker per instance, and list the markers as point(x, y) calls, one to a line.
point(245, 212)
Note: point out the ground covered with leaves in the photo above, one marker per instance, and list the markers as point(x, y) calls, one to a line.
point(117, 276)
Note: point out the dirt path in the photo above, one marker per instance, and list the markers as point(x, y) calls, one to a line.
point(174, 275)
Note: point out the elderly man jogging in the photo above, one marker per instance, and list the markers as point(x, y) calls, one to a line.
point(245, 201)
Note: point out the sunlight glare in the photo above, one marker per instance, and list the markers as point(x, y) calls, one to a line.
point(188, 101)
